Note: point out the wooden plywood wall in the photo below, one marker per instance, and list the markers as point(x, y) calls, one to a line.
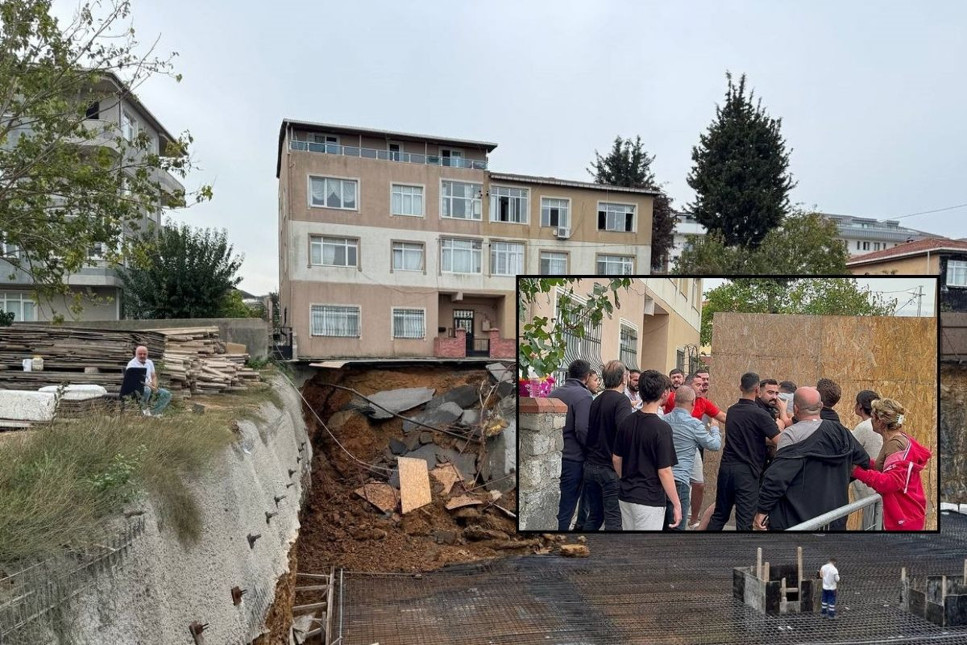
point(895, 357)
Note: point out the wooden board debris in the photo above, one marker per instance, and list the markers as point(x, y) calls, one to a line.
point(447, 475)
point(382, 496)
point(414, 484)
point(463, 500)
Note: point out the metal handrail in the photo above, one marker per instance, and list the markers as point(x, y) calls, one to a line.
point(823, 521)
point(387, 155)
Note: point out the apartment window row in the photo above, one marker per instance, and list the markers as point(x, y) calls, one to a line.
point(956, 273)
point(876, 246)
point(458, 256)
point(464, 200)
point(344, 321)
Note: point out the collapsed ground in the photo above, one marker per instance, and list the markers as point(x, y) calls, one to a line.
point(341, 529)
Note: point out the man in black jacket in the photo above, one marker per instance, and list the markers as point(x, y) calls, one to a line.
point(600, 480)
point(810, 473)
point(575, 394)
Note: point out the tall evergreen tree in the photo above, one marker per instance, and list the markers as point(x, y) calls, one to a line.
point(183, 273)
point(741, 173)
point(629, 165)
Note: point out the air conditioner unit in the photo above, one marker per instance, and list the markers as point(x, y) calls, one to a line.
point(563, 232)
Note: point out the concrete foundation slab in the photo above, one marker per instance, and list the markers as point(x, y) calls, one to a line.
point(397, 401)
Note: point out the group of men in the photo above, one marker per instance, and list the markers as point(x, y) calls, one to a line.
point(632, 456)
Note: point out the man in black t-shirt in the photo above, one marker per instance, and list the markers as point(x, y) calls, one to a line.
point(608, 410)
point(644, 453)
point(747, 429)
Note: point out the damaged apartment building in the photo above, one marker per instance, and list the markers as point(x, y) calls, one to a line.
point(405, 246)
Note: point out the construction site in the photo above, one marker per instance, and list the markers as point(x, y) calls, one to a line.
point(316, 533)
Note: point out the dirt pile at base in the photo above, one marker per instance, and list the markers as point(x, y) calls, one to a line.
point(341, 529)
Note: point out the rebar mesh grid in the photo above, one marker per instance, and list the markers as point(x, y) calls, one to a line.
point(654, 589)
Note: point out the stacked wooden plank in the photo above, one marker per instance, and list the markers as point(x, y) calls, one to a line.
point(67, 352)
point(188, 359)
point(195, 359)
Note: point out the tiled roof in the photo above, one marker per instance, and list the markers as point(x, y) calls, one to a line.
point(919, 247)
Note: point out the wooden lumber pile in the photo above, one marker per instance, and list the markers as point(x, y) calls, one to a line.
point(188, 359)
point(67, 352)
point(195, 359)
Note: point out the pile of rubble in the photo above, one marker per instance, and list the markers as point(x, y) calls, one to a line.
point(440, 486)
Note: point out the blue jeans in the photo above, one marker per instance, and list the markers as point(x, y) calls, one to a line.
point(601, 494)
point(164, 398)
point(572, 476)
point(684, 494)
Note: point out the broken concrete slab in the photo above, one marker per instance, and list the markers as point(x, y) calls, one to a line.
point(501, 372)
point(382, 496)
point(412, 441)
point(76, 392)
point(465, 396)
point(427, 453)
point(465, 463)
point(397, 447)
point(499, 462)
point(505, 388)
point(447, 475)
point(426, 437)
point(396, 401)
point(437, 417)
point(414, 484)
point(20, 405)
point(470, 417)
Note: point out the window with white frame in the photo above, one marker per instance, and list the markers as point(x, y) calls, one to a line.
point(460, 256)
point(508, 204)
point(409, 323)
point(19, 304)
point(334, 251)
point(956, 273)
point(616, 217)
point(330, 192)
point(334, 320)
point(461, 200)
point(129, 127)
point(408, 256)
point(555, 212)
point(407, 200)
point(628, 342)
point(506, 258)
point(553, 263)
point(615, 265)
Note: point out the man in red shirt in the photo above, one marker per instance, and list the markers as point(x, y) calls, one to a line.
point(703, 406)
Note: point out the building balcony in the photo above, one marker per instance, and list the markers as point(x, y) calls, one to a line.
point(387, 155)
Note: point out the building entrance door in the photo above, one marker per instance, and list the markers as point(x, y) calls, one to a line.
point(463, 319)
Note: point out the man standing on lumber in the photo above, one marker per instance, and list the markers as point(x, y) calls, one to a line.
point(141, 360)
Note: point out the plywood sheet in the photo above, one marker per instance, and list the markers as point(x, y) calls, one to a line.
point(382, 496)
point(414, 484)
point(895, 357)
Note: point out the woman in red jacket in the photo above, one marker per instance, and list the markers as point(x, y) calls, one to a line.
point(902, 459)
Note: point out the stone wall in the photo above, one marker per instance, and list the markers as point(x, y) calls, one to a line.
point(539, 469)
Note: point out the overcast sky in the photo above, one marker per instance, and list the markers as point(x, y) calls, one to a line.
point(871, 94)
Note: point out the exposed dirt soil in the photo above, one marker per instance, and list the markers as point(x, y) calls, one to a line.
point(341, 529)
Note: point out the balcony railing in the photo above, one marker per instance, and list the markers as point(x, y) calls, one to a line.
point(387, 155)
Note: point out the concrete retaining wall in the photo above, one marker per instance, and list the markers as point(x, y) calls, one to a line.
point(541, 443)
point(162, 585)
point(251, 332)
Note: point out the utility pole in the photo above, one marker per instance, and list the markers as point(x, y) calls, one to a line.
point(919, 299)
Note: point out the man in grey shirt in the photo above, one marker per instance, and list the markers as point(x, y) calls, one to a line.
point(688, 434)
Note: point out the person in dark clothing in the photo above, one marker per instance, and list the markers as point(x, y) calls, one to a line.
point(830, 392)
point(575, 394)
point(810, 473)
point(600, 481)
point(644, 453)
point(747, 428)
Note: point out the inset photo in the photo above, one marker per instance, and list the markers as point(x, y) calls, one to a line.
point(715, 404)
